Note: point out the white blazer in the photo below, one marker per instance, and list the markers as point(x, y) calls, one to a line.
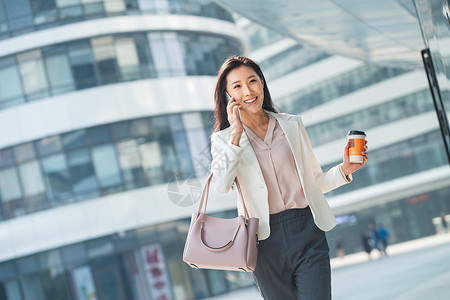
point(230, 161)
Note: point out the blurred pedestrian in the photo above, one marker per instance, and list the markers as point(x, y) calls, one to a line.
point(376, 240)
point(444, 222)
point(366, 242)
point(384, 237)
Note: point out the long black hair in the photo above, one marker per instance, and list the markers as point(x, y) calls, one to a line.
point(220, 98)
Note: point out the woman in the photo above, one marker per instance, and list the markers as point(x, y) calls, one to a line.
point(281, 181)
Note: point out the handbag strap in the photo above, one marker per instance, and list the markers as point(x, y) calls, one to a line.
point(205, 196)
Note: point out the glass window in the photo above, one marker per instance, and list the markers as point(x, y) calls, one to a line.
point(131, 165)
point(84, 182)
point(9, 185)
point(44, 11)
point(158, 52)
point(10, 84)
point(7, 270)
point(198, 145)
point(64, 3)
point(127, 59)
point(49, 145)
point(33, 74)
point(115, 6)
point(12, 290)
point(152, 161)
point(26, 265)
point(145, 59)
point(176, 123)
point(69, 13)
point(121, 130)
point(192, 121)
point(100, 247)
point(6, 157)
point(183, 153)
point(74, 254)
point(58, 70)
point(33, 186)
point(82, 64)
point(19, 14)
point(106, 165)
point(31, 177)
point(57, 179)
point(140, 127)
point(93, 7)
point(170, 162)
point(99, 134)
point(74, 140)
point(175, 54)
point(105, 58)
point(2, 14)
point(24, 152)
point(160, 124)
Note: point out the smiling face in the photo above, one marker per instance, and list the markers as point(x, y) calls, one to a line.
point(247, 88)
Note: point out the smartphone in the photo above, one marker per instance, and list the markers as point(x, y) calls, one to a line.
point(228, 96)
point(239, 111)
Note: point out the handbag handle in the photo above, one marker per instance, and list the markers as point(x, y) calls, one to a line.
point(222, 248)
point(205, 195)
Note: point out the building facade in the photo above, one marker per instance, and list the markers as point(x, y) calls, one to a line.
point(406, 183)
point(105, 116)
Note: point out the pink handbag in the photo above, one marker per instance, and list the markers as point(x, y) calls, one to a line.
point(223, 244)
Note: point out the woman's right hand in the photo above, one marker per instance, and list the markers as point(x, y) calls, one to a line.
point(235, 122)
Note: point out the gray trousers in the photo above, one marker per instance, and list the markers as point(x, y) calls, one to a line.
point(293, 263)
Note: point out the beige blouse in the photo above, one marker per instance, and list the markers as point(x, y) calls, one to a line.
point(277, 164)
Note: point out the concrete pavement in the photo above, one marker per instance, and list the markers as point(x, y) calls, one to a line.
point(347, 281)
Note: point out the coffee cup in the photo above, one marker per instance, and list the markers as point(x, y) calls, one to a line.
point(357, 140)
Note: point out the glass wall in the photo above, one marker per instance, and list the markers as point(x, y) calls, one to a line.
point(81, 64)
point(290, 60)
point(382, 114)
point(338, 86)
point(118, 267)
point(418, 154)
point(22, 16)
point(101, 160)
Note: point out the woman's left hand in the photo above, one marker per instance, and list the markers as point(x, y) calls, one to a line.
point(349, 167)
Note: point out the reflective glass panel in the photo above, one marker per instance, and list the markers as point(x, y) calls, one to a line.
point(10, 84)
point(99, 134)
point(24, 152)
point(57, 179)
point(131, 165)
point(59, 71)
point(82, 64)
point(127, 59)
point(6, 157)
point(106, 166)
point(33, 74)
point(74, 140)
point(9, 185)
point(84, 182)
point(31, 177)
point(105, 58)
point(49, 145)
point(152, 161)
point(19, 14)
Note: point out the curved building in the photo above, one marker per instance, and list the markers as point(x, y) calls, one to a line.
point(105, 118)
point(406, 183)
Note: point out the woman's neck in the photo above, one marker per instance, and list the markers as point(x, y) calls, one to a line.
point(255, 121)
